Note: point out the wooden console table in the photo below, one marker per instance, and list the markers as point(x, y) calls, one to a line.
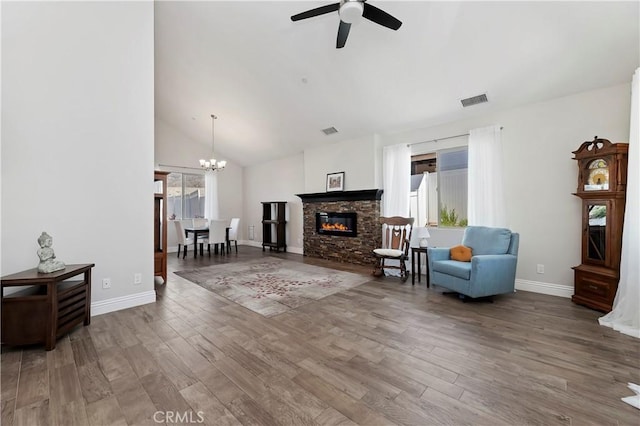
point(49, 308)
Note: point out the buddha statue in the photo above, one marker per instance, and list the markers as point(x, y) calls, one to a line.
point(48, 262)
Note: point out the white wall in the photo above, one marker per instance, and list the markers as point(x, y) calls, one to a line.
point(540, 174)
point(277, 180)
point(77, 138)
point(354, 158)
point(173, 147)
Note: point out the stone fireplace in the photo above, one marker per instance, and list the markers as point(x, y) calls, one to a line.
point(342, 226)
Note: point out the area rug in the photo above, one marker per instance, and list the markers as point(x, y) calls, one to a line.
point(271, 286)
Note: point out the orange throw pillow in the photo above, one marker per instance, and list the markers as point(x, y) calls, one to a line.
point(460, 253)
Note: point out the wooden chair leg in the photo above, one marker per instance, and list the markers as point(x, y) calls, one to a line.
point(378, 271)
point(178, 250)
point(236, 242)
point(184, 251)
point(403, 271)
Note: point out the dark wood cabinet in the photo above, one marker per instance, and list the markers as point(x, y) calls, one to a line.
point(602, 184)
point(274, 233)
point(49, 307)
point(160, 225)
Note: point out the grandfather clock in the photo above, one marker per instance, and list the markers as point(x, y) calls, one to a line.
point(602, 184)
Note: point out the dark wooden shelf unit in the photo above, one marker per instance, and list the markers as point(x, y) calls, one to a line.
point(160, 227)
point(48, 308)
point(274, 234)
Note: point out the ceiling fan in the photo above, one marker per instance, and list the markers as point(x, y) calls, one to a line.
point(351, 11)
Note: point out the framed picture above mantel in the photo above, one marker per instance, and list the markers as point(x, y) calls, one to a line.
point(335, 181)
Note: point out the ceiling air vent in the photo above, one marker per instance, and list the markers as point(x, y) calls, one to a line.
point(329, 131)
point(474, 100)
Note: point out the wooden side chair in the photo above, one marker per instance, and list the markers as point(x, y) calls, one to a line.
point(396, 235)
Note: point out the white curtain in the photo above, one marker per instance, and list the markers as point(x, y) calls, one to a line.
point(211, 210)
point(396, 176)
point(625, 316)
point(487, 205)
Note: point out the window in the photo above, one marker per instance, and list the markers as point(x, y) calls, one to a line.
point(185, 196)
point(439, 188)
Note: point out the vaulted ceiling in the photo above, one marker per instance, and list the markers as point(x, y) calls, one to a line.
point(275, 84)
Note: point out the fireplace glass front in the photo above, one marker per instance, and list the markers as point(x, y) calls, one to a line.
point(334, 223)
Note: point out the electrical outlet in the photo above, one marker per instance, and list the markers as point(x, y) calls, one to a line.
point(137, 278)
point(106, 283)
point(540, 268)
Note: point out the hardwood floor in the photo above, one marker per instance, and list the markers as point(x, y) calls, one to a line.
point(382, 353)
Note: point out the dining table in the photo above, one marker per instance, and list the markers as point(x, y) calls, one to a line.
point(198, 231)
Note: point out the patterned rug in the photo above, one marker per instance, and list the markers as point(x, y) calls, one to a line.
point(271, 286)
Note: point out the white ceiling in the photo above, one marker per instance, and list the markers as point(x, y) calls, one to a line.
point(274, 84)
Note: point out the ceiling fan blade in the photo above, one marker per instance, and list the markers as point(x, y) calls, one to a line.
point(381, 17)
point(343, 33)
point(316, 12)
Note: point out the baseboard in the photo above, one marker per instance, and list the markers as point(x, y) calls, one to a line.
point(544, 288)
point(297, 250)
point(250, 243)
point(124, 302)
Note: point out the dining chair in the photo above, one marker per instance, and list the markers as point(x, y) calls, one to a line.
point(233, 233)
point(218, 233)
point(181, 237)
point(200, 222)
point(187, 223)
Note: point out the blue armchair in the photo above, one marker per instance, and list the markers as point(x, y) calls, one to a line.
point(492, 269)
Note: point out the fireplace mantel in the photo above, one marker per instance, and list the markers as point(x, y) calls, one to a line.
point(361, 195)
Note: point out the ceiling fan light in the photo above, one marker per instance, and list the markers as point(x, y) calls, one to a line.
point(351, 11)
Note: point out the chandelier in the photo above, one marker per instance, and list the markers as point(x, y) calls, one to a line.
point(212, 165)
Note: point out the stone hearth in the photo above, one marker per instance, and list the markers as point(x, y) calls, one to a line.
point(366, 203)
